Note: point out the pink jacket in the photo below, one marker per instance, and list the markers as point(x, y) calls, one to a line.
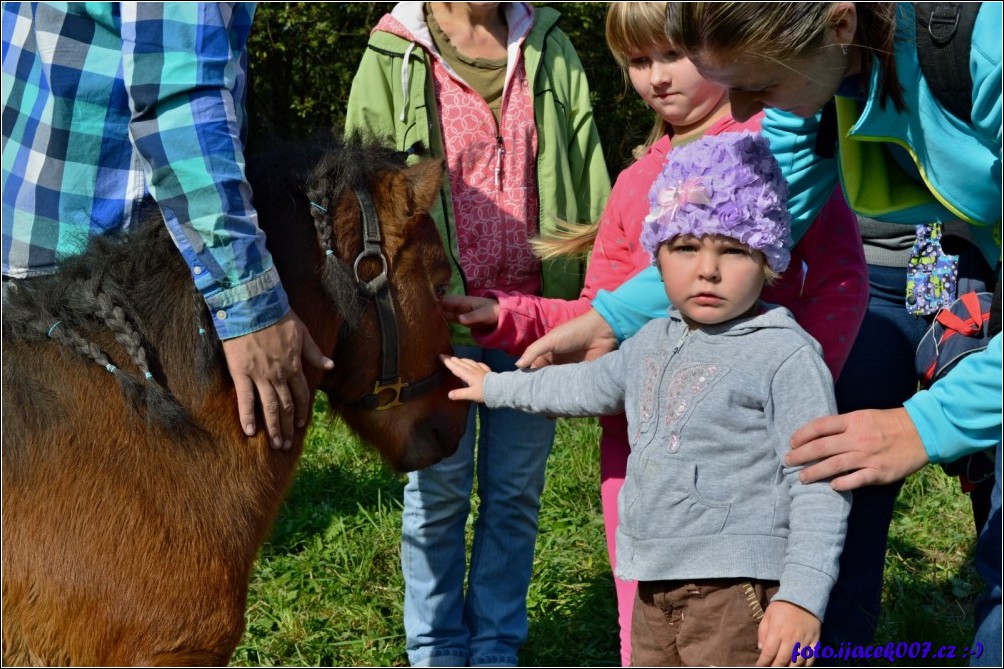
point(816, 286)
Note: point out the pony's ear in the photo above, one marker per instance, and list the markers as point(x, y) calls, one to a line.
point(424, 180)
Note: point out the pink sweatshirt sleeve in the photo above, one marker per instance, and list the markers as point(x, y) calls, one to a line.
point(833, 295)
point(523, 319)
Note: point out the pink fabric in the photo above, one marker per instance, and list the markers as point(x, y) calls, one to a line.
point(614, 451)
point(829, 299)
point(493, 181)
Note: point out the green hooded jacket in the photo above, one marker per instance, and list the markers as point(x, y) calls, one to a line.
point(393, 99)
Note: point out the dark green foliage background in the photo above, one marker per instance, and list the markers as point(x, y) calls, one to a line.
point(304, 56)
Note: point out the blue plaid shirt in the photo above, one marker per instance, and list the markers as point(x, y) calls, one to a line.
point(104, 103)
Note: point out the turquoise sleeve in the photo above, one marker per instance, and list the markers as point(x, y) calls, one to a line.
point(636, 302)
point(961, 413)
point(811, 178)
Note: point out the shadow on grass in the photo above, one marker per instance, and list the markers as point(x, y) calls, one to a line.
point(925, 607)
point(574, 631)
point(319, 493)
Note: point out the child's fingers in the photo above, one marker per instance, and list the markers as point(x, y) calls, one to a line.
point(463, 394)
point(485, 315)
point(464, 368)
point(454, 365)
point(778, 657)
point(769, 642)
point(471, 373)
point(467, 310)
point(459, 303)
point(768, 654)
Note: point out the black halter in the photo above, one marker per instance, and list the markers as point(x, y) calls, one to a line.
point(388, 391)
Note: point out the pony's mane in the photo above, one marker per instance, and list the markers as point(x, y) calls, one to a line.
point(322, 167)
point(135, 287)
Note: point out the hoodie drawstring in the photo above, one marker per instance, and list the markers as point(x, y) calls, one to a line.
point(405, 70)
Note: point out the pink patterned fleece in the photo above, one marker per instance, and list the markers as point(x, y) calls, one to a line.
point(491, 166)
point(493, 181)
point(825, 300)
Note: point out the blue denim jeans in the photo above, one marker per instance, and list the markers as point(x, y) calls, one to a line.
point(879, 374)
point(988, 564)
point(487, 624)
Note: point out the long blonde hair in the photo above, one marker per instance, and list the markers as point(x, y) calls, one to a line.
point(631, 27)
point(780, 31)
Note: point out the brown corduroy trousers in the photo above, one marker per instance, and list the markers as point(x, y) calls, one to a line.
point(710, 622)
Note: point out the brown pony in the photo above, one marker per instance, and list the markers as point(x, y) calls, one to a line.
point(132, 511)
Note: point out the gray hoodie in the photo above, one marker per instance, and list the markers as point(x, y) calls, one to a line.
point(710, 413)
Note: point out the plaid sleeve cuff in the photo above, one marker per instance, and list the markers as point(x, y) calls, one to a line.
point(249, 306)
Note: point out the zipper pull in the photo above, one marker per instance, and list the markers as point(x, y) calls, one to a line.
point(499, 157)
point(681, 340)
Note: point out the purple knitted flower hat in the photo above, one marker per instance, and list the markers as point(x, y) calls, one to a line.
point(728, 184)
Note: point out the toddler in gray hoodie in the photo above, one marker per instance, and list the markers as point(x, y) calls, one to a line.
point(735, 557)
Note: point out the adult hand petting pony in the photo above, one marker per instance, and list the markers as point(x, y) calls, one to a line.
point(268, 361)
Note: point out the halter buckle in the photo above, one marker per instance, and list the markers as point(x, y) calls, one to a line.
point(396, 386)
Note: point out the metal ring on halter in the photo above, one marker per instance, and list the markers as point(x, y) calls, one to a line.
point(377, 282)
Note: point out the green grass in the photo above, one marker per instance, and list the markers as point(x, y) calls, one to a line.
point(327, 588)
point(930, 582)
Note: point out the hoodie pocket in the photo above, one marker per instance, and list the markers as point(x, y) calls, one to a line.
point(706, 512)
point(666, 501)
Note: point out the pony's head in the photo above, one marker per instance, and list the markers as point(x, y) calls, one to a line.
point(383, 270)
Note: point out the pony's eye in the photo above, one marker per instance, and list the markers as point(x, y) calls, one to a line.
point(441, 290)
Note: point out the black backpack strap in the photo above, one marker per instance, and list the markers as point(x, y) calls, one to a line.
point(944, 38)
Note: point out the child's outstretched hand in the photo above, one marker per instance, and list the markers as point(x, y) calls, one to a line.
point(784, 624)
point(470, 372)
point(475, 312)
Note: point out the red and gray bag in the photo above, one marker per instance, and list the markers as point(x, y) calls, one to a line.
point(964, 327)
point(958, 330)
